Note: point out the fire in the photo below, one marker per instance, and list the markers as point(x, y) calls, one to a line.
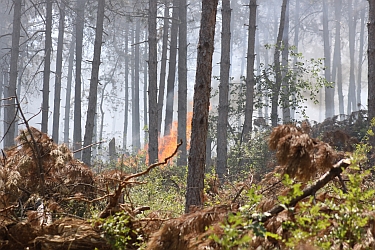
point(167, 143)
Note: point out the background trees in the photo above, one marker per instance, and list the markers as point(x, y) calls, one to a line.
point(334, 30)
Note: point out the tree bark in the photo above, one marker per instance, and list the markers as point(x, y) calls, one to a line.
point(172, 70)
point(182, 83)
point(329, 91)
point(47, 66)
point(58, 74)
point(222, 122)
point(371, 65)
point(285, 61)
point(360, 58)
point(10, 108)
point(126, 89)
point(277, 84)
point(69, 91)
point(77, 129)
point(250, 80)
point(136, 126)
point(336, 64)
point(202, 90)
point(152, 87)
point(352, 103)
point(163, 65)
point(94, 81)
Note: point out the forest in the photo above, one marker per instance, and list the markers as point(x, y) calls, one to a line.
point(187, 124)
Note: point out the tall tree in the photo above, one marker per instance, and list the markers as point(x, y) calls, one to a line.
point(163, 65)
point(152, 83)
point(77, 128)
point(10, 108)
point(182, 83)
point(250, 80)
point(329, 91)
point(136, 126)
point(47, 65)
point(352, 103)
point(172, 70)
point(222, 123)
point(371, 65)
point(336, 64)
point(126, 88)
point(277, 84)
point(58, 74)
point(360, 56)
point(69, 90)
point(284, 63)
point(94, 81)
point(201, 99)
point(296, 39)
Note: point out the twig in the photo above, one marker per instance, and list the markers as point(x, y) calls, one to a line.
point(311, 190)
point(88, 146)
point(242, 188)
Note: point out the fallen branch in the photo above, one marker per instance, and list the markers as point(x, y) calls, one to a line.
point(336, 170)
point(114, 198)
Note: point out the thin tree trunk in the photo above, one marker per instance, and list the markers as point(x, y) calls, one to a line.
point(163, 65)
point(329, 91)
point(69, 91)
point(352, 103)
point(360, 58)
point(136, 133)
point(152, 84)
point(94, 81)
point(222, 121)
point(336, 76)
point(285, 60)
point(182, 83)
point(58, 74)
point(296, 39)
point(250, 80)
point(102, 114)
point(172, 70)
point(11, 109)
point(277, 84)
point(47, 66)
point(126, 89)
point(202, 90)
point(145, 84)
point(77, 129)
point(371, 65)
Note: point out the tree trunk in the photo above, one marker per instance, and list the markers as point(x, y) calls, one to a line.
point(126, 89)
point(163, 65)
point(296, 39)
point(202, 90)
point(10, 108)
point(250, 80)
point(277, 84)
point(182, 83)
point(222, 121)
point(360, 58)
point(145, 102)
point(352, 103)
point(152, 84)
point(69, 91)
point(329, 91)
point(56, 105)
point(94, 81)
point(285, 60)
point(172, 70)
point(47, 66)
point(336, 64)
point(136, 126)
point(371, 65)
point(77, 129)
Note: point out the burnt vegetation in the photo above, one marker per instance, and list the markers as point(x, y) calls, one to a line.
point(55, 200)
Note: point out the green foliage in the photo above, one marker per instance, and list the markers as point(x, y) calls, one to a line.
point(237, 228)
point(117, 230)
